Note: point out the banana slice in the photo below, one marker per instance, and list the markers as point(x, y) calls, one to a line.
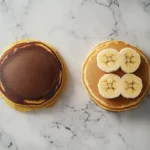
point(108, 60)
point(129, 60)
point(109, 86)
point(131, 86)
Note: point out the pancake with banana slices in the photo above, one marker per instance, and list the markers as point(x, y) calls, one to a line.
point(116, 75)
point(32, 75)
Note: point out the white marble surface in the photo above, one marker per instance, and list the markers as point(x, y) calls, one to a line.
point(74, 27)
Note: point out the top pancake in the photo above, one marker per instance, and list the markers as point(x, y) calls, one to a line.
point(30, 71)
point(91, 75)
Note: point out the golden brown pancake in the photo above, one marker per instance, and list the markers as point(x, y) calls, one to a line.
point(32, 75)
point(91, 75)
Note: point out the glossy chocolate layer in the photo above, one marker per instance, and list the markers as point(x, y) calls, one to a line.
point(29, 72)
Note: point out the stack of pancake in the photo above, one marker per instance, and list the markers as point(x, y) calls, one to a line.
point(32, 75)
point(91, 74)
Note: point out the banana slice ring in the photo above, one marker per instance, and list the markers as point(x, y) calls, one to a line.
point(129, 60)
point(131, 86)
point(108, 60)
point(109, 86)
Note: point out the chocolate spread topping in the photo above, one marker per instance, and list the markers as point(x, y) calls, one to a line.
point(29, 72)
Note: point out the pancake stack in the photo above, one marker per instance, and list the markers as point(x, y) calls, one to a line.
point(92, 73)
point(32, 75)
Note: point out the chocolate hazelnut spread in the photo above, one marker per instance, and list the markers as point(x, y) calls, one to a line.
point(28, 71)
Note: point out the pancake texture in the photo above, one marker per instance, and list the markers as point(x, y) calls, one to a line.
point(32, 75)
point(91, 75)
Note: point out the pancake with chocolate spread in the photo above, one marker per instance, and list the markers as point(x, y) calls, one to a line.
point(32, 75)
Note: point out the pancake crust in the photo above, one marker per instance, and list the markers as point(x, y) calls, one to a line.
point(40, 103)
point(91, 75)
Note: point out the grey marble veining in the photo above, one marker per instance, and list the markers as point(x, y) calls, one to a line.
point(74, 28)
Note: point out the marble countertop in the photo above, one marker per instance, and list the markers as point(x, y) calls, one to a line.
point(74, 27)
